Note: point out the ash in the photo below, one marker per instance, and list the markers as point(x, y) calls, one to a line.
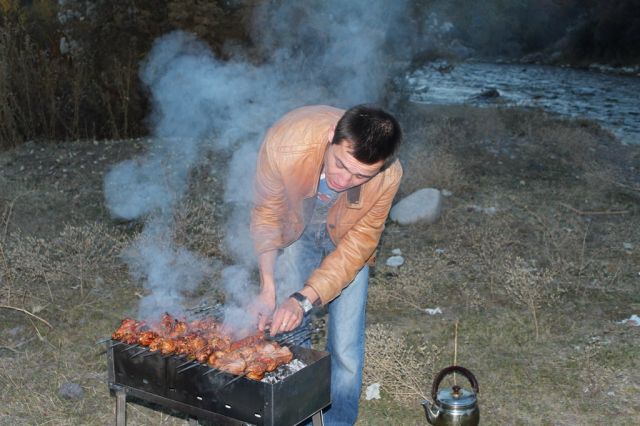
point(283, 371)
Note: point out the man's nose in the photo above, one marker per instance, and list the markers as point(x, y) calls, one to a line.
point(344, 179)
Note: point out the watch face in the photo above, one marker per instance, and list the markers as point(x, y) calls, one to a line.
point(306, 305)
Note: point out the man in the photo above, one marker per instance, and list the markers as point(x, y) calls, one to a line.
point(325, 182)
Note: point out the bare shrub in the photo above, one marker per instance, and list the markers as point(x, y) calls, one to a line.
point(417, 280)
point(198, 226)
point(594, 376)
point(201, 18)
point(562, 145)
point(529, 286)
point(490, 243)
point(433, 167)
point(400, 368)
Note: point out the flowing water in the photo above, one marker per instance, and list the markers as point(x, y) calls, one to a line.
point(610, 99)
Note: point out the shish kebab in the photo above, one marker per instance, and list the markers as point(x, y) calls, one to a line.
point(203, 341)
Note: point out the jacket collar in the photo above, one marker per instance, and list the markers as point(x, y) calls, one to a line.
point(353, 197)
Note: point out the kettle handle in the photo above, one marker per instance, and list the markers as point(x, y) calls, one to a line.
point(446, 371)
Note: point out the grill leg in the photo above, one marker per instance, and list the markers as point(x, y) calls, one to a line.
point(317, 419)
point(121, 407)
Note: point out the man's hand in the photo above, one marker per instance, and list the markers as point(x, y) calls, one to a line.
point(287, 317)
point(262, 307)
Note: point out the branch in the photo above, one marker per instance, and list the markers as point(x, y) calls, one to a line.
point(26, 312)
point(593, 213)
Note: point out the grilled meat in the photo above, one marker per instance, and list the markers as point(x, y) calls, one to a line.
point(204, 341)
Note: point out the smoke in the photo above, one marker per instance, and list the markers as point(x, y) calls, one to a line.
point(168, 271)
point(330, 52)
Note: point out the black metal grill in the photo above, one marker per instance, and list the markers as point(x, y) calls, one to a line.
point(215, 397)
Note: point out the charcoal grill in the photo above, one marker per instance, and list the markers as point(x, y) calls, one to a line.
point(215, 397)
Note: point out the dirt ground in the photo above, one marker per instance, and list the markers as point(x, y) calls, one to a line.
point(534, 264)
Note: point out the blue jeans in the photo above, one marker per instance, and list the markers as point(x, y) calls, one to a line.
point(345, 338)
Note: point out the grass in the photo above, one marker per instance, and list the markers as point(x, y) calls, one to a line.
point(528, 258)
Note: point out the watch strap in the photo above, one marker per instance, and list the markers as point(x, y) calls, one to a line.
point(303, 301)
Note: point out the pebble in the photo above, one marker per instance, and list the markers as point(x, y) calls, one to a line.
point(632, 320)
point(373, 392)
point(395, 261)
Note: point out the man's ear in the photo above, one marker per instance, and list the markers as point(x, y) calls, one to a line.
point(331, 133)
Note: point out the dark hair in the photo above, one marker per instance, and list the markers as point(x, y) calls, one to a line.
point(375, 134)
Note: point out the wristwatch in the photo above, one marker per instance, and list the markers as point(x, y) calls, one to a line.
point(305, 303)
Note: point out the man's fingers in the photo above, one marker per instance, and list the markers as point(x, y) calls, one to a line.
point(263, 321)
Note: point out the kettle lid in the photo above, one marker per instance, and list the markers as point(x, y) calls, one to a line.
point(456, 398)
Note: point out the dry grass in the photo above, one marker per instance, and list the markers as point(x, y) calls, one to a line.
point(78, 260)
point(488, 269)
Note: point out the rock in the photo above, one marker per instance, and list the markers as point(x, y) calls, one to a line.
point(395, 261)
point(396, 251)
point(423, 205)
point(70, 390)
point(491, 93)
point(485, 210)
point(373, 392)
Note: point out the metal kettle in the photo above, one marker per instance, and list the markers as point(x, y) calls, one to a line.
point(454, 405)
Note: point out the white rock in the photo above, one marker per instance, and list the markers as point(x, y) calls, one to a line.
point(395, 261)
point(373, 392)
point(486, 210)
point(433, 311)
point(633, 319)
point(423, 205)
point(440, 251)
point(396, 251)
point(446, 193)
point(627, 246)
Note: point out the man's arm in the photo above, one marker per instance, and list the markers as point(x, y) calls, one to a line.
point(266, 229)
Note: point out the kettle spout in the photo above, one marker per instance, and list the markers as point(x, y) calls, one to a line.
point(429, 412)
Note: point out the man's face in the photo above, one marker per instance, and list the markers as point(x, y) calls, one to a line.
point(342, 171)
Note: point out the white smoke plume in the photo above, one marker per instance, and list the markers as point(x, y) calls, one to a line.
point(330, 52)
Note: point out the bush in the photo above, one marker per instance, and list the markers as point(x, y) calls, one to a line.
point(69, 70)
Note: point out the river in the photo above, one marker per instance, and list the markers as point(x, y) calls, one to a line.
point(610, 99)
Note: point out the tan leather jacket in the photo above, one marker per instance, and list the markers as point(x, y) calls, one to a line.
point(288, 171)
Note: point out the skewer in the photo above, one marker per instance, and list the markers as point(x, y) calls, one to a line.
point(212, 370)
point(116, 344)
point(141, 351)
point(292, 336)
point(235, 379)
point(103, 340)
point(195, 364)
point(184, 363)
